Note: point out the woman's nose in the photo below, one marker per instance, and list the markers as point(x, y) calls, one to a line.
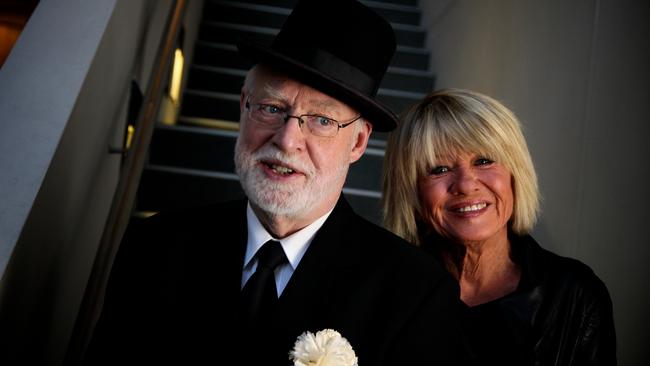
point(465, 181)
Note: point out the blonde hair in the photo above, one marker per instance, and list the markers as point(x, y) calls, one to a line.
point(448, 122)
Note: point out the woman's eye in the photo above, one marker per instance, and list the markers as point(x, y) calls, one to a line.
point(483, 161)
point(439, 170)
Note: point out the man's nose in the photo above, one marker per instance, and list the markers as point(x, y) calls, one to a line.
point(290, 136)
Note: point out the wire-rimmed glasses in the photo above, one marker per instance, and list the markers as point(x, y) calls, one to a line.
point(274, 117)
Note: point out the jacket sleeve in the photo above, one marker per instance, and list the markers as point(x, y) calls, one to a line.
point(597, 344)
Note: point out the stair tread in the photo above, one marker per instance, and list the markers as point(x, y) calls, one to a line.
point(233, 47)
point(235, 97)
point(393, 12)
point(276, 30)
point(213, 94)
point(254, 6)
point(242, 71)
point(391, 6)
point(408, 35)
point(287, 10)
point(416, 58)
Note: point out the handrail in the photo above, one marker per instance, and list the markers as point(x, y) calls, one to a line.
point(124, 197)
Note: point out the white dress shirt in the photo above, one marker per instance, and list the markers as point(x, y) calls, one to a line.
point(294, 246)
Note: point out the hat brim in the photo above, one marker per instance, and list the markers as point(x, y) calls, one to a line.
point(381, 118)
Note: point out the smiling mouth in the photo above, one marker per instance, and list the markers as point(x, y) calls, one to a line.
point(472, 208)
point(280, 169)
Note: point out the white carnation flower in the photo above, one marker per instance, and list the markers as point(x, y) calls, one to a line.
point(326, 348)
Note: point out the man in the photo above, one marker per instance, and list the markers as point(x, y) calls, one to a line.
point(195, 285)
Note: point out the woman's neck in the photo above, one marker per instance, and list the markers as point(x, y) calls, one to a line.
point(484, 270)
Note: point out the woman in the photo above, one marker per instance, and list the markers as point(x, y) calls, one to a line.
point(459, 182)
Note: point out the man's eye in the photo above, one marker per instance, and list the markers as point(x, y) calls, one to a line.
point(483, 161)
point(323, 121)
point(270, 109)
point(439, 170)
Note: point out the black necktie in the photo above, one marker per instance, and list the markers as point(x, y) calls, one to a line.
point(260, 295)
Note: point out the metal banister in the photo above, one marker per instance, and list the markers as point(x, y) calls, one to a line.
point(124, 197)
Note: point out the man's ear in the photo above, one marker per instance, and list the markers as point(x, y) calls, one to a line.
point(242, 101)
point(360, 141)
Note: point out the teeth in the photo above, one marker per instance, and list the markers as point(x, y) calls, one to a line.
point(472, 207)
point(281, 169)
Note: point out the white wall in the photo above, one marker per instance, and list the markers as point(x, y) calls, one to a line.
point(577, 75)
point(53, 163)
point(63, 101)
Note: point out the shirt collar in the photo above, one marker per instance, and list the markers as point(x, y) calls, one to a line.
point(294, 245)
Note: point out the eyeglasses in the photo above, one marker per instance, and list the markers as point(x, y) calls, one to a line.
point(274, 117)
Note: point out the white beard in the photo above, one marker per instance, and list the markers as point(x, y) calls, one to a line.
point(286, 199)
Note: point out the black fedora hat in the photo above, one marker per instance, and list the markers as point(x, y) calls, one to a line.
point(339, 47)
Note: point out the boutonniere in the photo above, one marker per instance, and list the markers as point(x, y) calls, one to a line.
point(325, 348)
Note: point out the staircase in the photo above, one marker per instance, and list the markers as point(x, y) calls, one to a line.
point(191, 163)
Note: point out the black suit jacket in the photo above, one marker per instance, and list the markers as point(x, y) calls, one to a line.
point(174, 293)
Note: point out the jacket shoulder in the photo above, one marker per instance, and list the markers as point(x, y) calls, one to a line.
point(171, 236)
point(167, 224)
point(215, 213)
point(385, 249)
point(569, 275)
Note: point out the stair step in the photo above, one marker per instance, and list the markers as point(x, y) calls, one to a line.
point(245, 13)
point(398, 2)
point(230, 80)
point(292, 3)
point(210, 105)
point(212, 150)
point(193, 148)
point(274, 13)
point(396, 12)
point(223, 54)
point(228, 32)
point(399, 78)
point(398, 100)
point(411, 58)
point(218, 79)
point(226, 55)
point(164, 188)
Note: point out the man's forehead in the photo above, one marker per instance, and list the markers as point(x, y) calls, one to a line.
point(289, 91)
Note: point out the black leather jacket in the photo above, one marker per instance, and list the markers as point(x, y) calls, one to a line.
point(560, 314)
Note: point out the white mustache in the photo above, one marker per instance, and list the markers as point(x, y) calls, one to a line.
point(268, 152)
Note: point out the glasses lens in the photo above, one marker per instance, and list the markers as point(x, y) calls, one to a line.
point(267, 115)
point(321, 125)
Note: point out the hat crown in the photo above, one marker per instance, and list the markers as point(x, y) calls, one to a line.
point(344, 29)
point(339, 47)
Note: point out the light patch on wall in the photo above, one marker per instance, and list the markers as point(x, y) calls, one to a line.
point(129, 135)
point(177, 76)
